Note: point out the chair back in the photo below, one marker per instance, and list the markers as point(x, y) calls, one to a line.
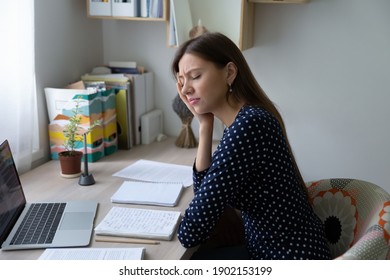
point(356, 216)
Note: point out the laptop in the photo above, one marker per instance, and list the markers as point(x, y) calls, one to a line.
point(26, 225)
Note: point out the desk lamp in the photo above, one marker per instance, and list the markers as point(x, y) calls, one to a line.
point(86, 178)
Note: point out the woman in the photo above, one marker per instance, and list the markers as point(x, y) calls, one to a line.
point(253, 168)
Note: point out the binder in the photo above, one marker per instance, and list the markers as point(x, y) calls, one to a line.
point(124, 103)
point(142, 86)
point(124, 120)
point(139, 100)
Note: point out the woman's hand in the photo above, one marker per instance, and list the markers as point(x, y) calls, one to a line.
point(206, 127)
point(207, 118)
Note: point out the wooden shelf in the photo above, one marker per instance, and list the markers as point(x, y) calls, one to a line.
point(129, 18)
point(280, 1)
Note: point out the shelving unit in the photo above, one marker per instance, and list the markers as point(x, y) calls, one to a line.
point(245, 15)
point(104, 10)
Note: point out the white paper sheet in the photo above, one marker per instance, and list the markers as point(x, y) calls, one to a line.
point(93, 254)
point(153, 171)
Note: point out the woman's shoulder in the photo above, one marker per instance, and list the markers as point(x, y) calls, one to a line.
point(255, 118)
point(255, 114)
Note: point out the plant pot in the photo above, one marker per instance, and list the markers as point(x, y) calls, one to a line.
point(70, 164)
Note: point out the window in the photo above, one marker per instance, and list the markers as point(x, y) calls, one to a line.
point(17, 80)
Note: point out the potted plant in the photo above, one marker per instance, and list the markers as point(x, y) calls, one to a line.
point(70, 158)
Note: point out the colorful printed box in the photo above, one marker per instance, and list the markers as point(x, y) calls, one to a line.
point(109, 121)
point(102, 140)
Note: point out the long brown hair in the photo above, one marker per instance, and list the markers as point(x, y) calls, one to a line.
point(219, 49)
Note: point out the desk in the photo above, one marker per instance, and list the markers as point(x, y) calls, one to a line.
point(45, 183)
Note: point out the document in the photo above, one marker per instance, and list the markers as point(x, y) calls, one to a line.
point(93, 254)
point(162, 194)
point(139, 223)
point(153, 171)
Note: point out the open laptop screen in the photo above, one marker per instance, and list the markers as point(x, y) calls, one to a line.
point(12, 199)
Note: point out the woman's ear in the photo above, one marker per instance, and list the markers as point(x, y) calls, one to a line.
point(231, 72)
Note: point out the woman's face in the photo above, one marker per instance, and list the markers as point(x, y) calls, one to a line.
point(204, 85)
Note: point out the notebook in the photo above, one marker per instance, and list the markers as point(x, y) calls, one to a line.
point(139, 223)
point(161, 194)
point(71, 222)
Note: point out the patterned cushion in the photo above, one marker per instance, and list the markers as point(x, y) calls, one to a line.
point(356, 216)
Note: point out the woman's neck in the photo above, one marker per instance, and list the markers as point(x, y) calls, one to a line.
point(227, 114)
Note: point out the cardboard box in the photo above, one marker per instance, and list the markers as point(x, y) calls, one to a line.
point(100, 8)
point(125, 9)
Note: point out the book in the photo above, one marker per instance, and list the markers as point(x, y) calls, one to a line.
point(139, 223)
point(162, 194)
point(125, 70)
point(156, 8)
point(154, 171)
point(144, 8)
point(123, 64)
point(151, 8)
point(116, 78)
point(93, 254)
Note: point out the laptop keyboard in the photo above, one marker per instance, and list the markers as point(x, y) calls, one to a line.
point(40, 224)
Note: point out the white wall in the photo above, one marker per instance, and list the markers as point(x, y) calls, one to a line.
point(67, 45)
point(325, 64)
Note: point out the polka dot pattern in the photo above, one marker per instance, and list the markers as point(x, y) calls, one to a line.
point(252, 171)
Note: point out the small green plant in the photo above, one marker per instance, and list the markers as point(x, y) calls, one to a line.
point(73, 132)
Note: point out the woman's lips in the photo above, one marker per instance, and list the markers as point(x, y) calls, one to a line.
point(193, 101)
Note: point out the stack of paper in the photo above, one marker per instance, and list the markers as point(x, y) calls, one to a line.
point(139, 223)
point(163, 194)
point(93, 254)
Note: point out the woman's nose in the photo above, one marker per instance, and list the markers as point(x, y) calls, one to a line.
point(187, 88)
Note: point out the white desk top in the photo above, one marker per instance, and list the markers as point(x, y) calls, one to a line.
point(44, 183)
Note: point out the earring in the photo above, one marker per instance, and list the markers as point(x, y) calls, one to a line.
point(230, 88)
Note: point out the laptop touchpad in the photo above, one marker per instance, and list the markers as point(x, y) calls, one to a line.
point(76, 221)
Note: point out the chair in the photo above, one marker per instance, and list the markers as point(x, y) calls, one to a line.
point(356, 216)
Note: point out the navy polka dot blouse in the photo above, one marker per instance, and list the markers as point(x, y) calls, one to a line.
point(252, 171)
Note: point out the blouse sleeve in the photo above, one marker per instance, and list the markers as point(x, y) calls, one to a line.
point(216, 188)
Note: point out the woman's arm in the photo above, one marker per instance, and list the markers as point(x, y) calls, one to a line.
point(203, 155)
